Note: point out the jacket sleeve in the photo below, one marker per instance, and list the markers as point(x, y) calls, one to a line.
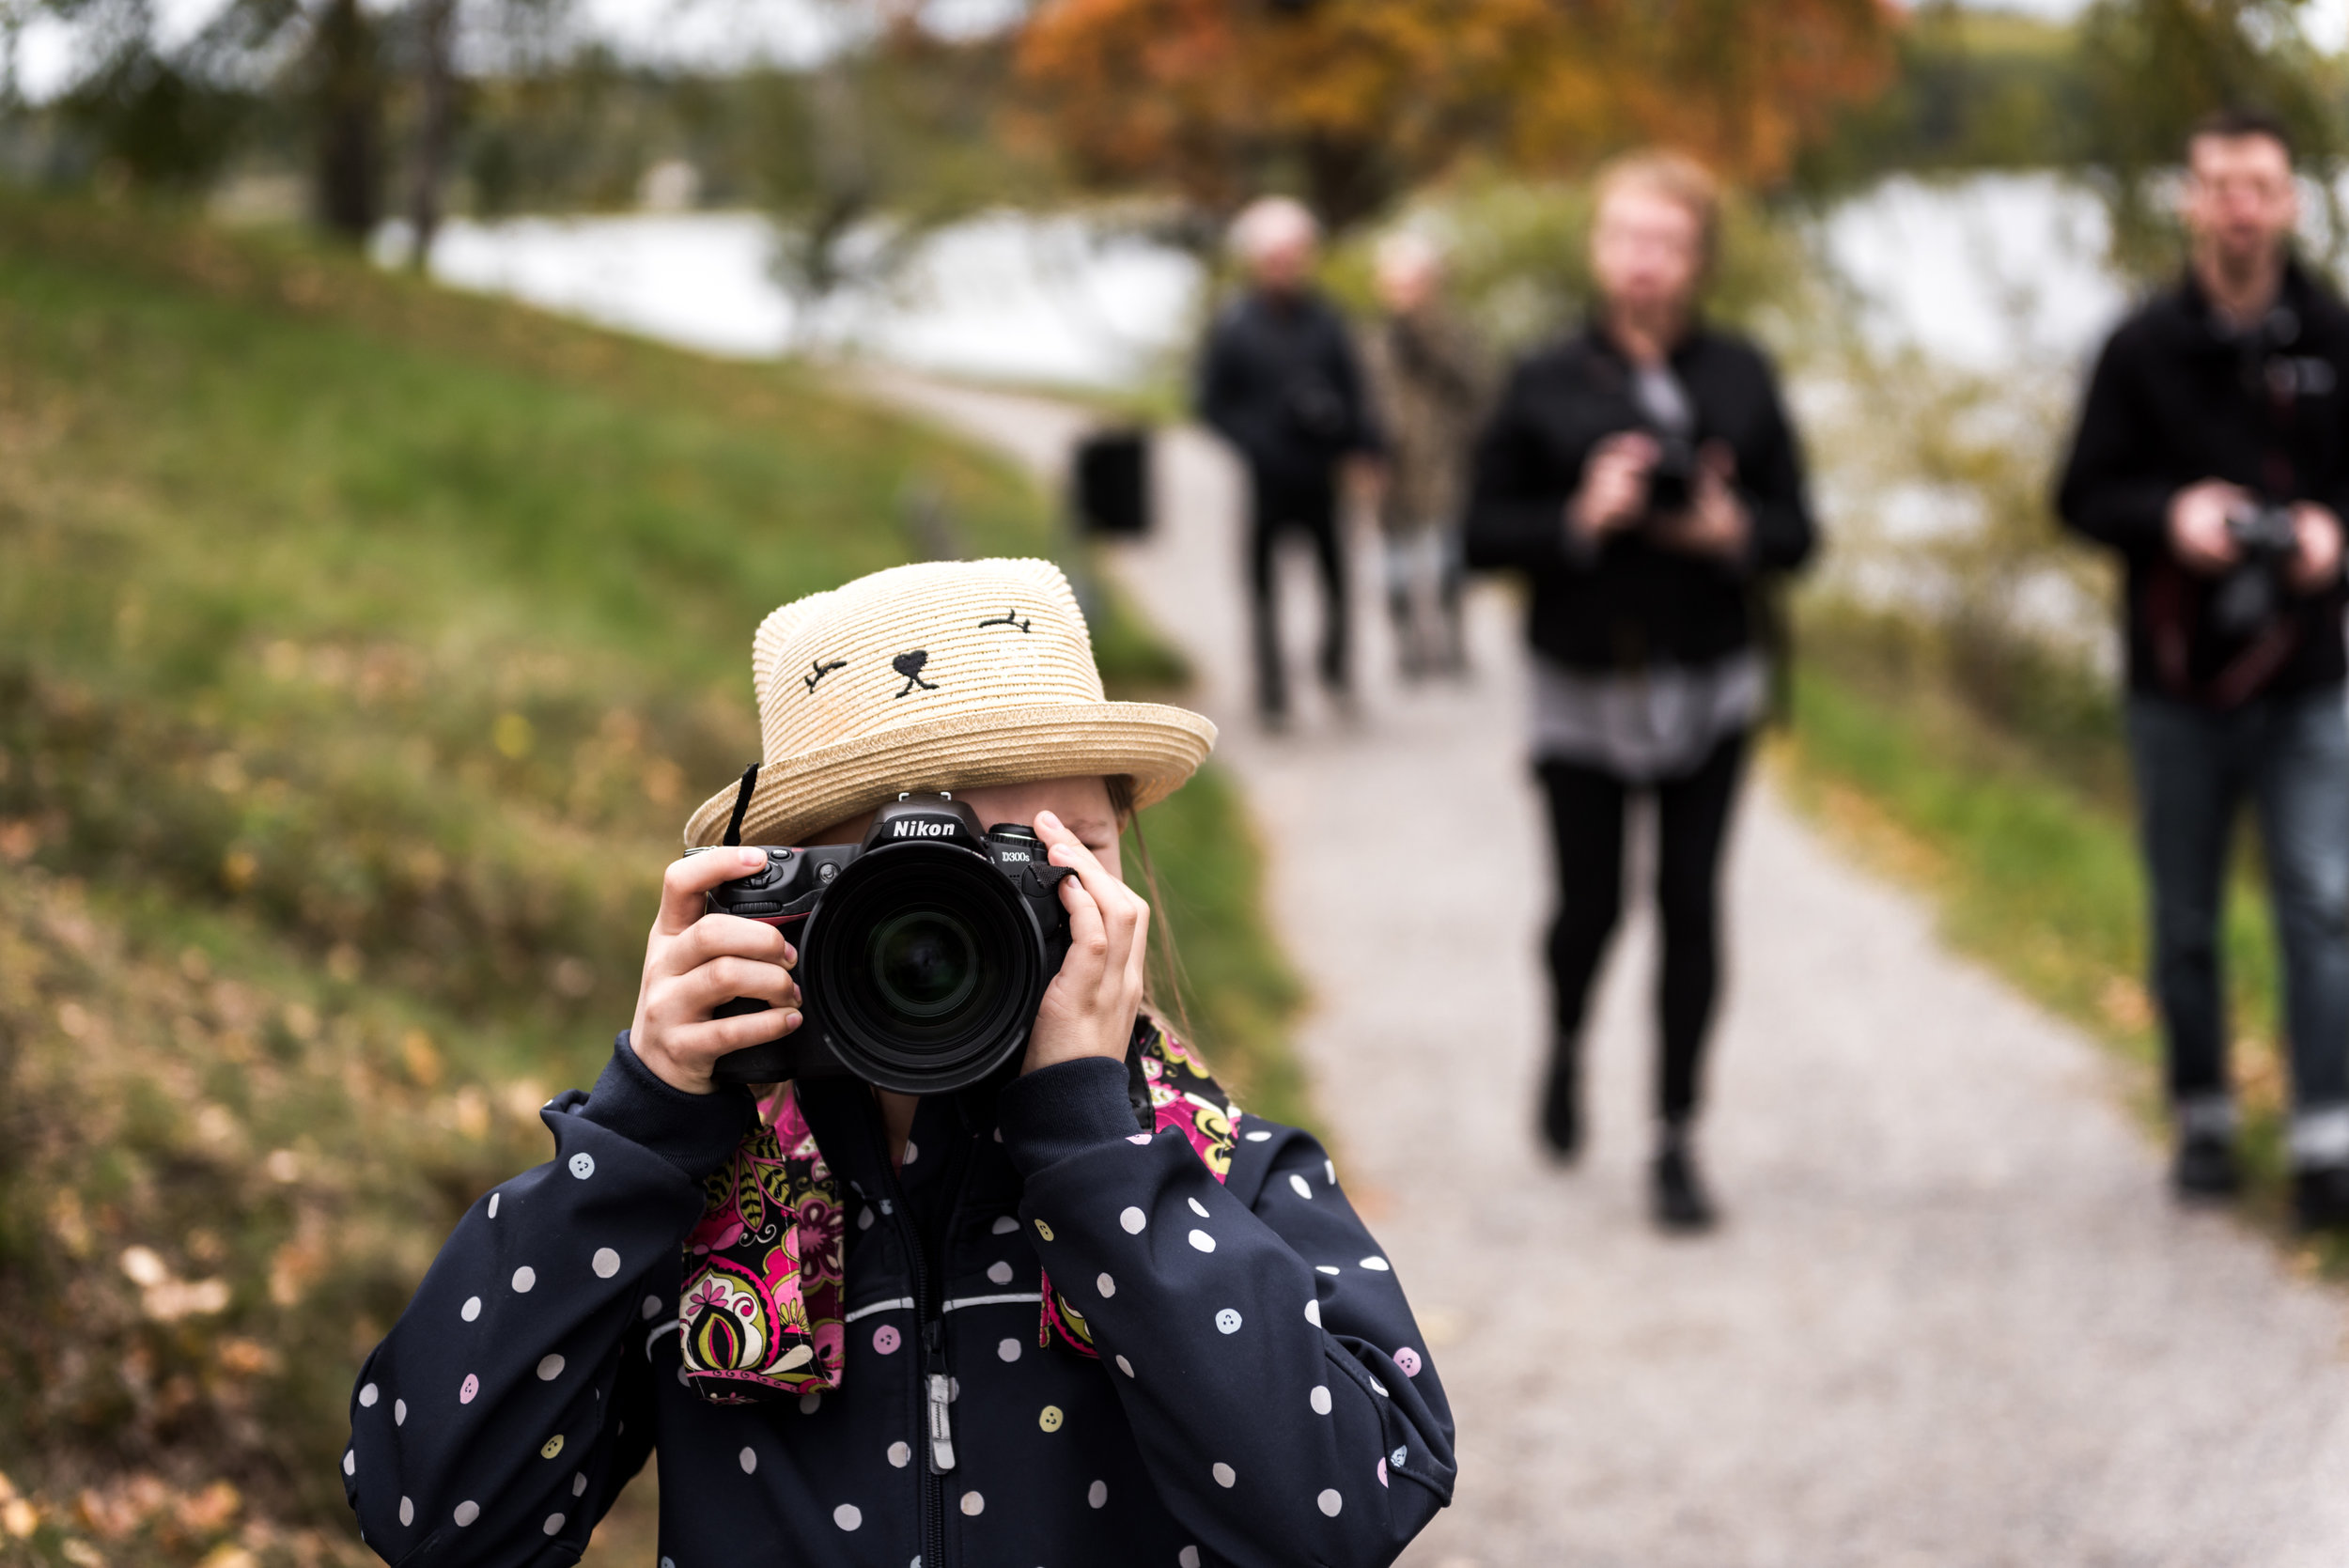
point(511, 1402)
point(1516, 504)
point(2115, 490)
point(1276, 1383)
point(1777, 496)
point(1216, 395)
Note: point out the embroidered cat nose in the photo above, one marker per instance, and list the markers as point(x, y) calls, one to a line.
point(908, 664)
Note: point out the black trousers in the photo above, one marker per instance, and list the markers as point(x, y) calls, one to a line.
point(1281, 507)
point(1586, 820)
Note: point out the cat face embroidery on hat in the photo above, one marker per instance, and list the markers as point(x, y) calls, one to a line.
point(946, 675)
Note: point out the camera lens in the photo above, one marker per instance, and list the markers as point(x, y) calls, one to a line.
point(924, 963)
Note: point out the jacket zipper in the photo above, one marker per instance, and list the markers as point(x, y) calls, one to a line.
point(937, 1426)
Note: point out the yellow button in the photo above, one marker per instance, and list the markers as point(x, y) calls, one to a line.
point(1043, 1230)
point(1049, 1420)
point(554, 1446)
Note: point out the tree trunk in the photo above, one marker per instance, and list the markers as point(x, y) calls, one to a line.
point(350, 121)
point(436, 126)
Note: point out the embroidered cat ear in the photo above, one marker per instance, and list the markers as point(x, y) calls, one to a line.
point(1011, 618)
point(910, 664)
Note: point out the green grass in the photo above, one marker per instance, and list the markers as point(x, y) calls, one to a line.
point(361, 648)
point(2034, 870)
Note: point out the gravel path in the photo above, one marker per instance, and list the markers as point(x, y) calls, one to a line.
point(1952, 1320)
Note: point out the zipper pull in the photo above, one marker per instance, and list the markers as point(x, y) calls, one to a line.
point(940, 1394)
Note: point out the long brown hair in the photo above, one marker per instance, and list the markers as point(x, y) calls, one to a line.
point(1166, 983)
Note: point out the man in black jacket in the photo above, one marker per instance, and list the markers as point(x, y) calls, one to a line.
point(1279, 381)
point(2213, 457)
point(1644, 477)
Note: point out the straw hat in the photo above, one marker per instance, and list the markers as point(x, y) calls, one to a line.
point(953, 675)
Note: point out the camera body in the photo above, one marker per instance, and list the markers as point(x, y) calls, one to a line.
point(1671, 484)
point(2251, 594)
point(924, 952)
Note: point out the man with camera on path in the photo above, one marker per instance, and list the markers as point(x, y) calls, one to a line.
point(2212, 454)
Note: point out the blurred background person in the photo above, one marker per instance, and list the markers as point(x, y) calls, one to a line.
point(1426, 381)
point(2210, 457)
point(1643, 476)
point(1279, 380)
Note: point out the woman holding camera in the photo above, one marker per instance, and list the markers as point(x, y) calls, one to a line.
point(1642, 474)
point(1079, 1311)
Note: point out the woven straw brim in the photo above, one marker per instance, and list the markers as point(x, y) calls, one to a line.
point(1153, 746)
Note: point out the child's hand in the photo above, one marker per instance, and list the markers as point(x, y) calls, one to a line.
point(695, 962)
point(1090, 1006)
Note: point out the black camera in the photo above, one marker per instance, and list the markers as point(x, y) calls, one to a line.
point(1672, 483)
point(923, 952)
point(2252, 593)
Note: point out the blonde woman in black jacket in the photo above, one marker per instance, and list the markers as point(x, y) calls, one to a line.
point(1643, 476)
point(1083, 1311)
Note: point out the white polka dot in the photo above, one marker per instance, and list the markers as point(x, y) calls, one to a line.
point(1097, 1494)
point(550, 1368)
point(525, 1277)
point(900, 1455)
point(1139, 1137)
point(1004, 1224)
point(1107, 1286)
point(847, 1515)
point(650, 1308)
point(1201, 1240)
point(1008, 1350)
point(811, 1402)
point(466, 1512)
point(367, 1397)
point(973, 1504)
point(1197, 1208)
point(1187, 1557)
point(1228, 1322)
point(407, 1511)
point(1133, 1219)
point(350, 1462)
point(1224, 1474)
point(1125, 1366)
point(400, 1412)
point(748, 1459)
point(1312, 1313)
point(1300, 1186)
point(1397, 1457)
point(579, 1485)
point(1258, 1137)
point(583, 1165)
point(912, 1153)
point(470, 1309)
point(493, 1203)
point(1326, 1268)
point(606, 1262)
point(1330, 1169)
point(954, 1390)
point(1379, 1263)
point(1000, 1272)
point(553, 1525)
point(1319, 1399)
point(1330, 1502)
point(864, 1219)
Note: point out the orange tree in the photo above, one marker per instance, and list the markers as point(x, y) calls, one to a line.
point(1349, 102)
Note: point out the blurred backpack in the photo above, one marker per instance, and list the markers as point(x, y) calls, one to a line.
point(1110, 482)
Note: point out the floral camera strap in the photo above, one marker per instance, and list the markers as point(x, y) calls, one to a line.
point(762, 1311)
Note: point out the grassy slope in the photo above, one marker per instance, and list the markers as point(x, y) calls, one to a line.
point(361, 648)
point(2035, 873)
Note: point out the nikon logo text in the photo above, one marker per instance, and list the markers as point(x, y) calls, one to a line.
point(919, 829)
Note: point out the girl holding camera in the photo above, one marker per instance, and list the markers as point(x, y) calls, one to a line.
point(1084, 1311)
point(1642, 474)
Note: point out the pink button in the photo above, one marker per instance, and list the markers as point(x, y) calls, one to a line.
point(471, 1387)
point(1408, 1359)
point(886, 1339)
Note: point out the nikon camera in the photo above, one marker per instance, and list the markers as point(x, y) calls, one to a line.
point(924, 951)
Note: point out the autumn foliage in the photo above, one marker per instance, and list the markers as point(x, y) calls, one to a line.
point(1349, 102)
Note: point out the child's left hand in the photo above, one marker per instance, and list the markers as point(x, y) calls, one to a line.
point(1090, 1006)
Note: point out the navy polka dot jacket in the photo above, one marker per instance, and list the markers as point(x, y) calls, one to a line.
point(1262, 1395)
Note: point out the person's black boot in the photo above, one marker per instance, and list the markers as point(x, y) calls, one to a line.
point(1677, 1191)
point(1561, 1103)
point(2320, 1197)
point(2206, 1170)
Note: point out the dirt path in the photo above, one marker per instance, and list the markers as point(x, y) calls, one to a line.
point(1952, 1320)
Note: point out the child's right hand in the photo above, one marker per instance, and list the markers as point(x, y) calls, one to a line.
point(696, 962)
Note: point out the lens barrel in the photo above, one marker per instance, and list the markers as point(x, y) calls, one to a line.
point(926, 965)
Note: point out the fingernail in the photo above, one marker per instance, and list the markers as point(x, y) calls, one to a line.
point(791, 956)
point(1047, 819)
point(753, 857)
point(790, 1022)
